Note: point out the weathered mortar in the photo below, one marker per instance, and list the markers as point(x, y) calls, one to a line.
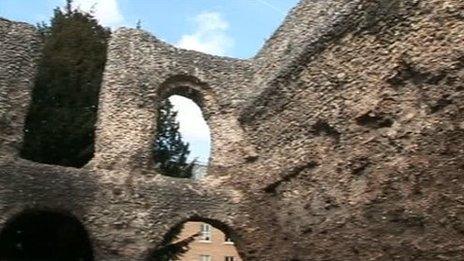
point(355, 109)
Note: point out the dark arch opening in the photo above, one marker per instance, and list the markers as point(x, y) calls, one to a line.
point(182, 242)
point(45, 235)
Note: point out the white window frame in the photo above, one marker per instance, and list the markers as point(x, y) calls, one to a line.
point(205, 258)
point(206, 233)
point(229, 258)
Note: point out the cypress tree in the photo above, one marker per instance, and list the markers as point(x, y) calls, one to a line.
point(170, 151)
point(59, 128)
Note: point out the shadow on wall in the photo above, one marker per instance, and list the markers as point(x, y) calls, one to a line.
point(44, 235)
point(197, 239)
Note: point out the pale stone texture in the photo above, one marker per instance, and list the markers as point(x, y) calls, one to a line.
point(142, 71)
point(19, 45)
point(341, 140)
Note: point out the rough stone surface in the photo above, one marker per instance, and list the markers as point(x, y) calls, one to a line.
point(341, 140)
point(19, 44)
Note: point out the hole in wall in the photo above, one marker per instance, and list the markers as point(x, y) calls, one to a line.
point(44, 235)
point(374, 120)
point(59, 127)
point(322, 127)
point(197, 240)
point(440, 104)
point(183, 141)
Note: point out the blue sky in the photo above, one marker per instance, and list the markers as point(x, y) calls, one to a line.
point(235, 28)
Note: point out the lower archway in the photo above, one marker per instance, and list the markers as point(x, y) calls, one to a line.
point(197, 239)
point(45, 235)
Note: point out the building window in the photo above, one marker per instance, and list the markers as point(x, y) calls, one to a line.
point(205, 258)
point(229, 258)
point(205, 230)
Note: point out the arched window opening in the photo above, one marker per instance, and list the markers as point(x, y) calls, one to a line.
point(182, 144)
point(197, 240)
point(45, 235)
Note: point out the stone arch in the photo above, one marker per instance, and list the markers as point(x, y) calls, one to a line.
point(44, 234)
point(227, 146)
point(175, 230)
point(189, 87)
point(197, 92)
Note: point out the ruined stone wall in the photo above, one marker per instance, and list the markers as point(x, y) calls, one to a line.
point(362, 149)
point(142, 71)
point(19, 50)
point(125, 220)
point(343, 143)
point(126, 215)
point(307, 29)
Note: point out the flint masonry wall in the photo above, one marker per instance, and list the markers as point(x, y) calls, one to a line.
point(343, 143)
point(19, 50)
point(141, 72)
point(122, 213)
point(307, 29)
point(361, 150)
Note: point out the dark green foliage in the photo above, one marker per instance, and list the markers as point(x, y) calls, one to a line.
point(172, 251)
point(170, 151)
point(60, 124)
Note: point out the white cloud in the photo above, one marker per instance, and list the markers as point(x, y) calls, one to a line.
point(190, 118)
point(192, 127)
point(107, 12)
point(210, 35)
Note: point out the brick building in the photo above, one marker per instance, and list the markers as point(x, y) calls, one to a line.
point(211, 245)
